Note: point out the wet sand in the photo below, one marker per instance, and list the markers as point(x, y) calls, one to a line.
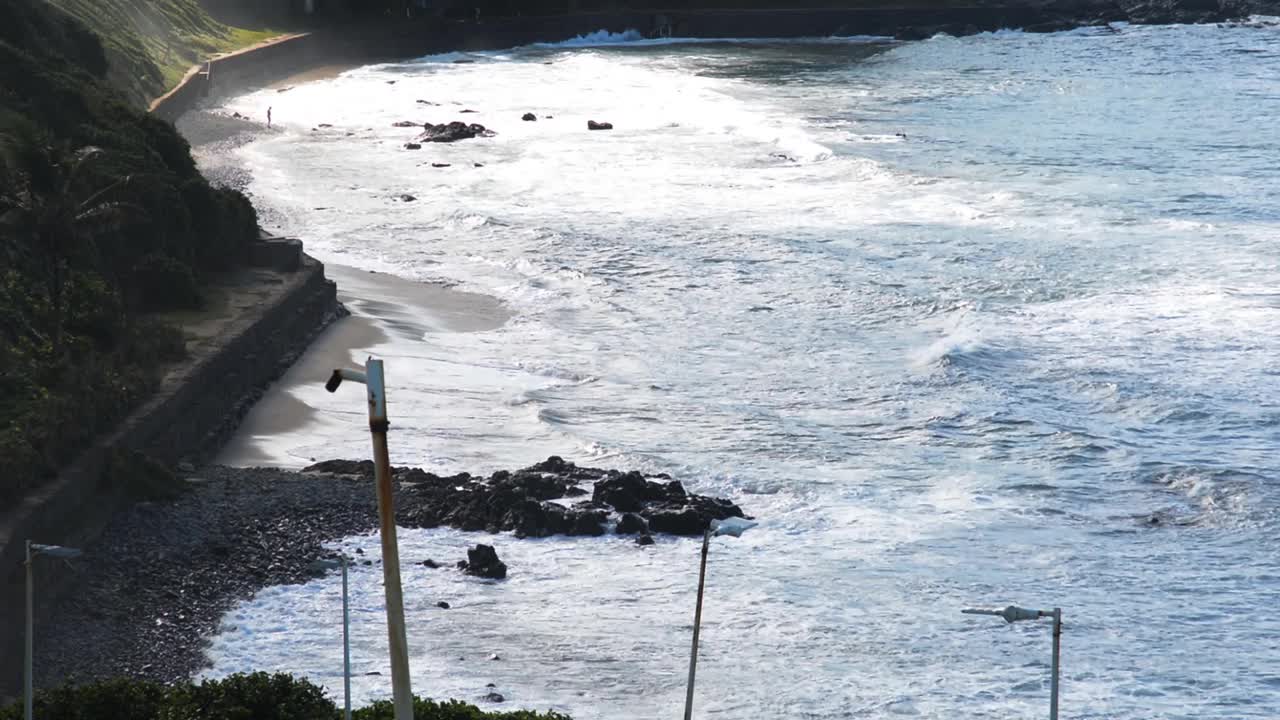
point(382, 307)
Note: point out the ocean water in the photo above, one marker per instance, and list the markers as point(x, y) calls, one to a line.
point(962, 322)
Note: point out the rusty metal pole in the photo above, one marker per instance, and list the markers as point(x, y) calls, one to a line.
point(374, 380)
point(697, 626)
point(402, 695)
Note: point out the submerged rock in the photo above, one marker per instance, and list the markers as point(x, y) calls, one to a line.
point(405, 124)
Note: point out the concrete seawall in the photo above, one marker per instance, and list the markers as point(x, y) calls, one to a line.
point(189, 418)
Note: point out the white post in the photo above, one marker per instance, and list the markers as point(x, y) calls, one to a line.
point(27, 660)
point(374, 380)
point(346, 645)
point(402, 695)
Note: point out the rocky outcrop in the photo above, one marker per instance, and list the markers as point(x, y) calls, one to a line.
point(453, 132)
point(482, 561)
point(530, 502)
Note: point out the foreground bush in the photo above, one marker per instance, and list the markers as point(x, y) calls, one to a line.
point(259, 696)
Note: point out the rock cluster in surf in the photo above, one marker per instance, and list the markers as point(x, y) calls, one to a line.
point(535, 501)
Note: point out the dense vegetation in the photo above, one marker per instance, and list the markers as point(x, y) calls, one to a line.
point(240, 697)
point(151, 45)
point(103, 218)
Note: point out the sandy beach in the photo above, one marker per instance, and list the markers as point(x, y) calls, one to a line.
point(385, 309)
point(382, 307)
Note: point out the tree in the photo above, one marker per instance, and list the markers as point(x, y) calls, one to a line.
point(47, 205)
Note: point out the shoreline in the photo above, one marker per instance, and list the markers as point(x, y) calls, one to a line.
point(382, 307)
point(326, 51)
point(158, 581)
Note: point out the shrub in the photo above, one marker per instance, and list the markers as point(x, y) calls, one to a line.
point(108, 700)
point(259, 696)
point(426, 709)
point(163, 283)
point(250, 697)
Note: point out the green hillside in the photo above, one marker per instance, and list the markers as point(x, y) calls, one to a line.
point(104, 220)
point(150, 45)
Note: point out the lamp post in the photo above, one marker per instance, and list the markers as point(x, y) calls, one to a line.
point(730, 526)
point(373, 379)
point(342, 562)
point(34, 550)
point(1013, 614)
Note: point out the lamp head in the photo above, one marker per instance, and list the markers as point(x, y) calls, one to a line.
point(334, 381)
point(56, 551)
point(734, 526)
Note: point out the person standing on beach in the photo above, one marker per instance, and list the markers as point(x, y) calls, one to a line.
point(268, 117)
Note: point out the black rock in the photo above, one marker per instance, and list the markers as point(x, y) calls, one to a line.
point(630, 524)
point(412, 146)
point(482, 561)
point(440, 165)
point(442, 605)
point(1051, 26)
point(467, 112)
point(495, 697)
point(625, 493)
point(430, 563)
point(644, 540)
point(361, 468)
point(589, 522)
point(405, 124)
point(593, 125)
point(529, 117)
point(453, 132)
point(407, 198)
point(690, 518)
point(915, 33)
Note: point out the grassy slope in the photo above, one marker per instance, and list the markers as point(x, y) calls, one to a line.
point(150, 45)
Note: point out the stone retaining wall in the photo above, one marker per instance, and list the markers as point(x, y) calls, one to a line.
point(189, 419)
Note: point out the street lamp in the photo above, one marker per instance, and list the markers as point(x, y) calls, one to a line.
point(731, 526)
point(1013, 614)
point(34, 550)
point(372, 378)
point(341, 562)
